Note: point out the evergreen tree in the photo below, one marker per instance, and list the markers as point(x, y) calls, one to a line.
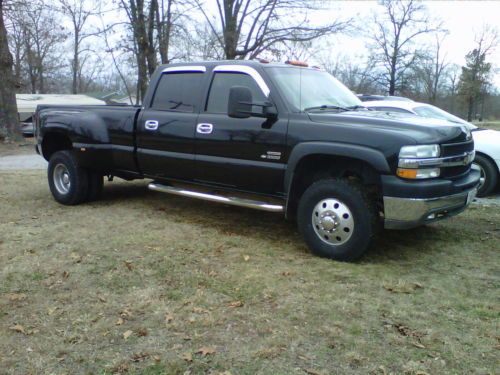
point(474, 81)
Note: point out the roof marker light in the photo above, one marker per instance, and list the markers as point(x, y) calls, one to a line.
point(297, 63)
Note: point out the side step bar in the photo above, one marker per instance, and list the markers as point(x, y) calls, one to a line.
point(235, 201)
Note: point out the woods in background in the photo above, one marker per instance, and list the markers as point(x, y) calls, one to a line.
point(84, 46)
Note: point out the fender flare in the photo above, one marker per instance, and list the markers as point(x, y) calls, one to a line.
point(373, 157)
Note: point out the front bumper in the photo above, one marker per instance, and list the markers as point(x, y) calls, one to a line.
point(406, 213)
point(406, 209)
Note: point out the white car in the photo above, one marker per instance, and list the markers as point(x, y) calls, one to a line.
point(486, 142)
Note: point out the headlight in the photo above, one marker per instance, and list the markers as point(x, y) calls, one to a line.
point(416, 162)
point(420, 151)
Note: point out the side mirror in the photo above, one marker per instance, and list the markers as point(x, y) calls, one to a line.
point(240, 105)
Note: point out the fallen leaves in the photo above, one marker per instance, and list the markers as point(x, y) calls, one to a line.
point(311, 371)
point(13, 297)
point(18, 328)
point(139, 357)
point(403, 287)
point(235, 304)
point(188, 357)
point(206, 350)
point(125, 313)
point(246, 258)
point(127, 334)
point(168, 317)
point(119, 322)
point(129, 265)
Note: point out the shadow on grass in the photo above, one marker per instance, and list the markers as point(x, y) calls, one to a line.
point(389, 245)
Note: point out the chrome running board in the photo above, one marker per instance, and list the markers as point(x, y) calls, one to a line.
point(234, 201)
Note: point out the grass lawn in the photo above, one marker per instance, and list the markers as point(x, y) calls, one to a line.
point(146, 283)
point(26, 146)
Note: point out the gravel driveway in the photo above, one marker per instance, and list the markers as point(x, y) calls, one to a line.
point(22, 162)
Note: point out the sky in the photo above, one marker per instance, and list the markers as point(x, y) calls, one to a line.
point(462, 19)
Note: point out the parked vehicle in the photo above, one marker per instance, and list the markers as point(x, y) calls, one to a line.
point(486, 141)
point(275, 137)
point(372, 97)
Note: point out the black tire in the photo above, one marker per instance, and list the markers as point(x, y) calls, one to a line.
point(489, 175)
point(349, 208)
point(64, 163)
point(96, 183)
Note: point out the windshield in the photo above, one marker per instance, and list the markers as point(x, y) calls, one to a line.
point(430, 111)
point(310, 89)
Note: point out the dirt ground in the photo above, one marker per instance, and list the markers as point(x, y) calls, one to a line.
point(144, 283)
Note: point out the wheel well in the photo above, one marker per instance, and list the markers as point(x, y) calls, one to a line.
point(317, 167)
point(53, 142)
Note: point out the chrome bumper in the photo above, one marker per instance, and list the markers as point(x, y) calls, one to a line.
point(406, 213)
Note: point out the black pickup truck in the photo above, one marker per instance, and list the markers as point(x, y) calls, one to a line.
point(276, 137)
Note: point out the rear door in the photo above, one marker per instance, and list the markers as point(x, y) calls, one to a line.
point(246, 154)
point(166, 128)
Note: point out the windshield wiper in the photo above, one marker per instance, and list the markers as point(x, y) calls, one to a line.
point(324, 106)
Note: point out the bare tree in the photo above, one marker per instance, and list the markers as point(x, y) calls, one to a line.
point(359, 74)
point(429, 71)
point(37, 25)
point(141, 19)
point(9, 120)
point(79, 12)
point(395, 32)
point(246, 28)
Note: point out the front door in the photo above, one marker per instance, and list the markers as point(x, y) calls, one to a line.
point(166, 128)
point(245, 154)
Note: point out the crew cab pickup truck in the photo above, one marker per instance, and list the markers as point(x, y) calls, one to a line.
point(275, 137)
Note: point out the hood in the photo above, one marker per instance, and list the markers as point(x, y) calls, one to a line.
point(421, 130)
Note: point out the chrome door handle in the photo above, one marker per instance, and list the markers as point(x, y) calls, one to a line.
point(151, 125)
point(204, 128)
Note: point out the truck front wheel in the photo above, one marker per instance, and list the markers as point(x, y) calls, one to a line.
point(68, 182)
point(336, 219)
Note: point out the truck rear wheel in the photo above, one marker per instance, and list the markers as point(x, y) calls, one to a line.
point(68, 182)
point(336, 219)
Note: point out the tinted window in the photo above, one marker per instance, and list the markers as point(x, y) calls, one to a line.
point(178, 92)
point(219, 91)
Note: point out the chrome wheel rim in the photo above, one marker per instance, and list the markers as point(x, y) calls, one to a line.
point(332, 221)
point(61, 178)
point(482, 177)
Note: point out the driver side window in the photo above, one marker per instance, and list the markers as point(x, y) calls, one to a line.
point(221, 84)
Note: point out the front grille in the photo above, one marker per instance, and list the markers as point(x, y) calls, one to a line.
point(451, 149)
point(456, 149)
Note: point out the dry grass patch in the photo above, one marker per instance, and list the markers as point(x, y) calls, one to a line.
point(145, 283)
point(26, 146)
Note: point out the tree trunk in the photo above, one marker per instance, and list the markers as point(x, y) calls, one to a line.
point(9, 120)
point(230, 31)
point(470, 108)
point(76, 63)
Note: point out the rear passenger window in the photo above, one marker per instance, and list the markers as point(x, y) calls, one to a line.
point(219, 90)
point(178, 92)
